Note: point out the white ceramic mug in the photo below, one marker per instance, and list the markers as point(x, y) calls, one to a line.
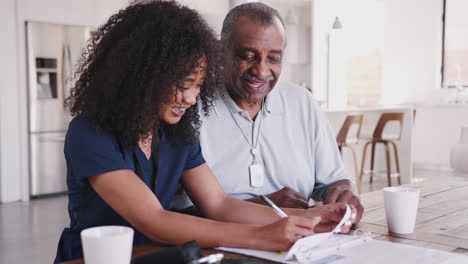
point(107, 244)
point(401, 207)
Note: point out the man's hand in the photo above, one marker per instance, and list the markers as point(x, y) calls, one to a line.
point(331, 215)
point(286, 197)
point(340, 192)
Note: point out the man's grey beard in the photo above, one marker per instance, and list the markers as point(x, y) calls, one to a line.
point(251, 77)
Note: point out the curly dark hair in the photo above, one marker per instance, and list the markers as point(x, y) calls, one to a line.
point(132, 64)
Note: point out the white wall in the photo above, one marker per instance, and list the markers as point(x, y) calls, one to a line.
point(10, 161)
point(413, 51)
point(437, 129)
point(212, 11)
point(106, 8)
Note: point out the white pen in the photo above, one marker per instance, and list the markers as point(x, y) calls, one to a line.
point(273, 206)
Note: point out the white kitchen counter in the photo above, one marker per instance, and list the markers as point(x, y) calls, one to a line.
point(441, 105)
point(369, 109)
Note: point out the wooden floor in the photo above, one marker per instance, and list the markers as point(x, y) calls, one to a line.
point(29, 231)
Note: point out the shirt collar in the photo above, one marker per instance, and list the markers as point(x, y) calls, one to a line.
point(231, 104)
point(274, 105)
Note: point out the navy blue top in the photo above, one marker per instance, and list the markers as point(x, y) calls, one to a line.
point(90, 152)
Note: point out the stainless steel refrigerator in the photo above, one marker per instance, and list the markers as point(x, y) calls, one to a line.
point(52, 53)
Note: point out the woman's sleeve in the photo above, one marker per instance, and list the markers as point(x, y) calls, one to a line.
point(90, 151)
point(195, 157)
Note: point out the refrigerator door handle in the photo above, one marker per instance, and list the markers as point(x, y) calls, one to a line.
point(67, 73)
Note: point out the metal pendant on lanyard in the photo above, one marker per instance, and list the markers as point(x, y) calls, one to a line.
point(256, 170)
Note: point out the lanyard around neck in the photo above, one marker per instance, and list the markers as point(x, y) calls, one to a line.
point(253, 146)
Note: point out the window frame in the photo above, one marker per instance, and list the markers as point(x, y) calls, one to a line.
point(442, 68)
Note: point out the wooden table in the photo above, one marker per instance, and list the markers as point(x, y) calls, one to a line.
point(442, 221)
point(150, 248)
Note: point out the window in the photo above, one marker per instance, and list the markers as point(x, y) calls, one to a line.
point(362, 57)
point(455, 44)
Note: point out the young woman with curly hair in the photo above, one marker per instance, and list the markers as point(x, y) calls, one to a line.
point(133, 139)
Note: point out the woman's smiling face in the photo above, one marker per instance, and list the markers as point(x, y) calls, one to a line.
point(184, 95)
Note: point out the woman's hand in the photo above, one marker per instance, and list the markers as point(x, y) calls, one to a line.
point(331, 215)
point(282, 234)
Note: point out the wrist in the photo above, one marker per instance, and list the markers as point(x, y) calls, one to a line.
point(306, 213)
point(344, 184)
point(312, 212)
point(238, 238)
point(256, 237)
point(341, 185)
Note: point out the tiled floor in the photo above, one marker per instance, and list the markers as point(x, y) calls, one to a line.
point(29, 231)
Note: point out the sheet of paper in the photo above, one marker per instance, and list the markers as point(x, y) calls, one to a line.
point(369, 252)
point(302, 246)
point(274, 256)
point(376, 251)
point(331, 248)
point(321, 245)
point(346, 218)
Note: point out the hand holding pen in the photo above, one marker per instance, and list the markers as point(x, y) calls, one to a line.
point(331, 214)
point(289, 229)
point(275, 208)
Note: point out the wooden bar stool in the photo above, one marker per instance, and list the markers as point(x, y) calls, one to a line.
point(380, 137)
point(345, 139)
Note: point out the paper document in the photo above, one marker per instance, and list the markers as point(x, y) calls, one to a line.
point(327, 248)
point(317, 243)
point(362, 251)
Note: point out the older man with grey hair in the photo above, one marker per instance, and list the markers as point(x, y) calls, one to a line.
point(265, 136)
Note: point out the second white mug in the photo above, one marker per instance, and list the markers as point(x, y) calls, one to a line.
point(401, 207)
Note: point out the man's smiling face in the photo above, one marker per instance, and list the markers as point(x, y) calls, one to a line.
point(255, 55)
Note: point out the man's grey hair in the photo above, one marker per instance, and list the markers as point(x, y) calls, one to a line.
point(259, 13)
